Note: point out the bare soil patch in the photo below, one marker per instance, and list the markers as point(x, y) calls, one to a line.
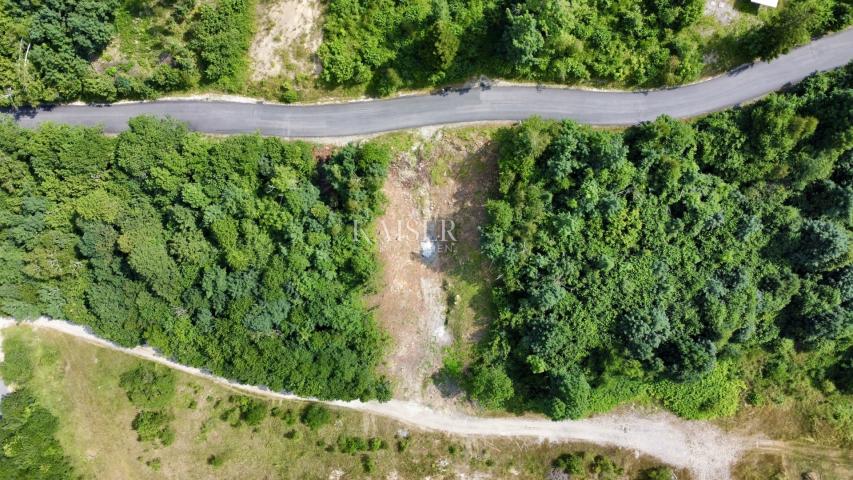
point(288, 35)
point(436, 192)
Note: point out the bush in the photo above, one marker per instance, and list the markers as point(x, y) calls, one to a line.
point(154, 464)
point(657, 473)
point(315, 416)
point(403, 444)
point(388, 82)
point(220, 36)
point(368, 464)
point(605, 468)
point(17, 366)
point(375, 444)
point(28, 435)
point(352, 444)
point(153, 425)
point(253, 412)
point(491, 386)
point(571, 395)
point(149, 385)
point(289, 417)
point(246, 411)
point(792, 25)
point(285, 414)
point(571, 463)
point(231, 416)
point(287, 94)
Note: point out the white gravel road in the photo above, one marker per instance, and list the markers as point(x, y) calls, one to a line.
point(708, 452)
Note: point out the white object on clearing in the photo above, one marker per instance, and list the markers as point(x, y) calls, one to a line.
point(768, 3)
point(428, 249)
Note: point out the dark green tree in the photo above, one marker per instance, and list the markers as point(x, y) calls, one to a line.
point(821, 245)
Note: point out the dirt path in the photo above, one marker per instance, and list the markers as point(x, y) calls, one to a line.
point(708, 452)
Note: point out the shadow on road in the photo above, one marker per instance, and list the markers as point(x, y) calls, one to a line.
point(25, 112)
point(739, 69)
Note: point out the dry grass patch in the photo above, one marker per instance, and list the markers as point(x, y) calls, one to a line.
point(78, 382)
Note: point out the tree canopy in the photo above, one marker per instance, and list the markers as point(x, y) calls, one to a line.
point(237, 255)
point(102, 51)
point(56, 50)
point(661, 255)
point(638, 43)
point(645, 43)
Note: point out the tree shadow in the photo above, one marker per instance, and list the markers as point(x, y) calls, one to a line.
point(746, 6)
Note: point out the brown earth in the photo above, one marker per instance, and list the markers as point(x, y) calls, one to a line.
point(288, 35)
point(436, 192)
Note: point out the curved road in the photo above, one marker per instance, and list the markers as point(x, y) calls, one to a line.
point(495, 104)
point(707, 451)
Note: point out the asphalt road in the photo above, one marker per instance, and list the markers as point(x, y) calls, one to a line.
point(495, 104)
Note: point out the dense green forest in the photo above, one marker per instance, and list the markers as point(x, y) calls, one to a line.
point(47, 48)
point(236, 255)
point(680, 261)
point(389, 45)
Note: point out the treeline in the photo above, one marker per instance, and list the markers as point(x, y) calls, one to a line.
point(54, 50)
point(795, 23)
point(389, 45)
point(678, 261)
point(235, 255)
point(47, 49)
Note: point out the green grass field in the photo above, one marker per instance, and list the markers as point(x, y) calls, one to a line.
point(79, 383)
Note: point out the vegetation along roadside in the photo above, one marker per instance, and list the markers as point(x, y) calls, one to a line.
point(60, 51)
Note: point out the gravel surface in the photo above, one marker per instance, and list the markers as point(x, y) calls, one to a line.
point(708, 452)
